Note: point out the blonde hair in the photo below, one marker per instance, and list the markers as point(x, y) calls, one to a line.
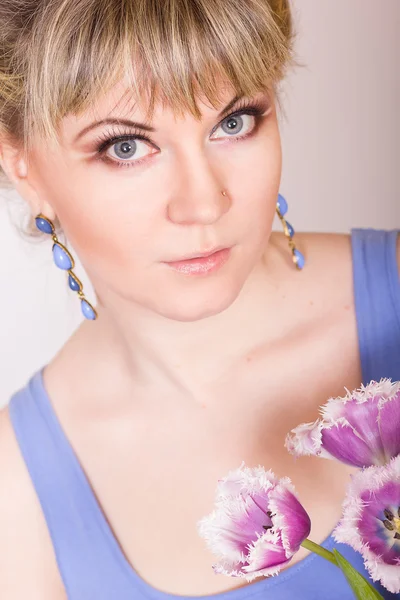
point(58, 56)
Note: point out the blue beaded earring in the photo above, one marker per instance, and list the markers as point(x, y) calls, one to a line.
point(64, 260)
point(281, 209)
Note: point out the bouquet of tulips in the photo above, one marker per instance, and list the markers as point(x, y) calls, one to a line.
point(259, 524)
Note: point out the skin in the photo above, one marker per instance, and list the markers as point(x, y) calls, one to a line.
point(193, 374)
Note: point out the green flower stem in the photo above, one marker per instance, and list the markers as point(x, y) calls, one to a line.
point(363, 590)
point(317, 549)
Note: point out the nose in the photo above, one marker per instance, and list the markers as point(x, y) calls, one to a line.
point(200, 198)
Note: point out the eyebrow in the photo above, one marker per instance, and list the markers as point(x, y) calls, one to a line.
point(143, 126)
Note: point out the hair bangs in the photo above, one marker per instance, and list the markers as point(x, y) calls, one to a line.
point(173, 52)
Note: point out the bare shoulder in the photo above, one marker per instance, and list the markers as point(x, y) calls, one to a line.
point(326, 249)
point(329, 265)
point(319, 248)
point(330, 251)
point(328, 274)
point(27, 567)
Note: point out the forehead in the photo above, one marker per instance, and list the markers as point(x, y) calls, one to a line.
point(121, 102)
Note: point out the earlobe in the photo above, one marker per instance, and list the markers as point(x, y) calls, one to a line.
point(22, 168)
point(13, 163)
point(7, 160)
point(15, 167)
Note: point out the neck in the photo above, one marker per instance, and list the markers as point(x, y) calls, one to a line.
point(188, 356)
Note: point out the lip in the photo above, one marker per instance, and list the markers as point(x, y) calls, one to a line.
point(197, 255)
point(201, 263)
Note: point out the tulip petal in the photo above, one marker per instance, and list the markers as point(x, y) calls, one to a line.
point(230, 568)
point(266, 557)
point(363, 417)
point(245, 480)
point(388, 575)
point(305, 440)
point(267, 554)
point(252, 516)
point(289, 517)
point(389, 425)
point(342, 443)
point(369, 493)
point(361, 429)
point(232, 527)
point(380, 540)
point(263, 552)
point(251, 536)
point(240, 514)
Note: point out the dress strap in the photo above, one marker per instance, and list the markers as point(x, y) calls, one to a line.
point(377, 302)
point(88, 556)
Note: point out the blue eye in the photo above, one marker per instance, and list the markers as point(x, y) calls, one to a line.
point(233, 124)
point(244, 121)
point(131, 149)
point(240, 123)
point(126, 148)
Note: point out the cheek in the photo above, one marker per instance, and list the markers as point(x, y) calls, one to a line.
point(110, 236)
point(107, 224)
point(255, 185)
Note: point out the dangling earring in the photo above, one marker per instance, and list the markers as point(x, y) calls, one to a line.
point(281, 209)
point(64, 260)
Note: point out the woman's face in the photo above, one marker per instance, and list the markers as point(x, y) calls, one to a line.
point(132, 199)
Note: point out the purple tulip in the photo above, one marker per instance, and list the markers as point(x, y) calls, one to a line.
point(371, 521)
point(362, 429)
point(257, 526)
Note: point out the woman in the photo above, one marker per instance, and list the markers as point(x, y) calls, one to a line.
point(148, 133)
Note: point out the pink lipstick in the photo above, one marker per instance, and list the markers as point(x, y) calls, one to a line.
point(201, 265)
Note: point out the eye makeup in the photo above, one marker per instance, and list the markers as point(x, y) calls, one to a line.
point(117, 134)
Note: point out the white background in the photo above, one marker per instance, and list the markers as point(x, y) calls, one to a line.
point(341, 168)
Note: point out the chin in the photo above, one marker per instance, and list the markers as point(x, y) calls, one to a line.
point(199, 298)
point(189, 298)
point(195, 309)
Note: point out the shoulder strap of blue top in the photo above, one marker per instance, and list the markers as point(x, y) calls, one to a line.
point(87, 554)
point(377, 302)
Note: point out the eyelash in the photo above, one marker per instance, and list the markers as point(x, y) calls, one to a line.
point(257, 109)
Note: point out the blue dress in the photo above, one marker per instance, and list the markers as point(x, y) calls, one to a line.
point(90, 560)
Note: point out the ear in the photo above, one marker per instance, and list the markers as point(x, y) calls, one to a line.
point(15, 165)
